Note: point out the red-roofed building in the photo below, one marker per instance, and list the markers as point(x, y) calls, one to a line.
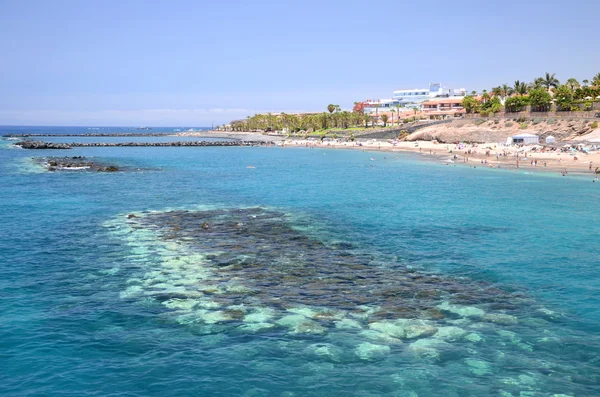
point(442, 108)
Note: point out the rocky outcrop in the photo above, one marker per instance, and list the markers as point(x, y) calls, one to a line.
point(76, 163)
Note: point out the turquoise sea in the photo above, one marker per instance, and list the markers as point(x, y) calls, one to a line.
point(315, 273)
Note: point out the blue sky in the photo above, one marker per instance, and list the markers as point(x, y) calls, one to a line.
point(183, 62)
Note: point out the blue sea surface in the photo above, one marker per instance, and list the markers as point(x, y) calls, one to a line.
point(445, 280)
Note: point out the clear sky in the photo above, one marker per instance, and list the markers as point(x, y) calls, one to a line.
point(191, 63)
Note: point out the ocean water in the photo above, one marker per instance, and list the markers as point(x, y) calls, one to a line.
point(315, 273)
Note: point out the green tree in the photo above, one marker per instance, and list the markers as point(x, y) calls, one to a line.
point(497, 91)
point(485, 96)
point(516, 103)
point(537, 83)
point(540, 100)
point(520, 87)
point(548, 81)
point(596, 81)
point(392, 111)
point(384, 118)
point(492, 106)
point(573, 84)
point(505, 91)
point(563, 96)
point(331, 108)
point(470, 104)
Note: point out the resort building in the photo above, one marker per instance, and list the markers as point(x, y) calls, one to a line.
point(413, 98)
point(442, 108)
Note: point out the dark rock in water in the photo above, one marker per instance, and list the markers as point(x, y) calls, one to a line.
point(205, 226)
point(131, 216)
point(76, 163)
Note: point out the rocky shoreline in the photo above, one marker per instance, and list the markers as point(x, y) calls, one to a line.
point(51, 145)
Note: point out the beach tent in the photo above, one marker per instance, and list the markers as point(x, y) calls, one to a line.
point(550, 139)
point(527, 139)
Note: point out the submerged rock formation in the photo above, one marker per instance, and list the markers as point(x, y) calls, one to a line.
point(251, 266)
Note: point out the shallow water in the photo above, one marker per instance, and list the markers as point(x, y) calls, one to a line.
point(318, 272)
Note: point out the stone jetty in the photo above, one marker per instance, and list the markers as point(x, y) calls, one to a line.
point(98, 134)
point(50, 145)
point(42, 145)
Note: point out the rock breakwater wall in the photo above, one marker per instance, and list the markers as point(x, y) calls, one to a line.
point(51, 145)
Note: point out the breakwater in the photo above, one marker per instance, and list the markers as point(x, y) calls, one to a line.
point(97, 134)
point(51, 145)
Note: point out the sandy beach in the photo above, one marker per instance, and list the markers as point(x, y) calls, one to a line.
point(477, 155)
point(491, 154)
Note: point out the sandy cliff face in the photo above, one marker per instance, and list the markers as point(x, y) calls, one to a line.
point(499, 130)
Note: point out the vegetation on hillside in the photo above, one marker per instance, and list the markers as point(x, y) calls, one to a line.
point(540, 94)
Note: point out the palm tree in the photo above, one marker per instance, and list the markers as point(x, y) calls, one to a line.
point(506, 91)
point(520, 88)
point(485, 96)
point(398, 111)
point(392, 111)
point(366, 119)
point(548, 81)
point(537, 83)
point(573, 84)
point(585, 83)
point(596, 80)
point(384, 118)
point(473, 93)
point(497, 91)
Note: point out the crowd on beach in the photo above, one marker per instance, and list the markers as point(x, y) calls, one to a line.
point(576, 158)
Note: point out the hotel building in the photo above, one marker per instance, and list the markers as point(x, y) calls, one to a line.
point(410, 99)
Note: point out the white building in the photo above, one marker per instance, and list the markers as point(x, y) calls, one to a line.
point(412, 98)
point(526, 139)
